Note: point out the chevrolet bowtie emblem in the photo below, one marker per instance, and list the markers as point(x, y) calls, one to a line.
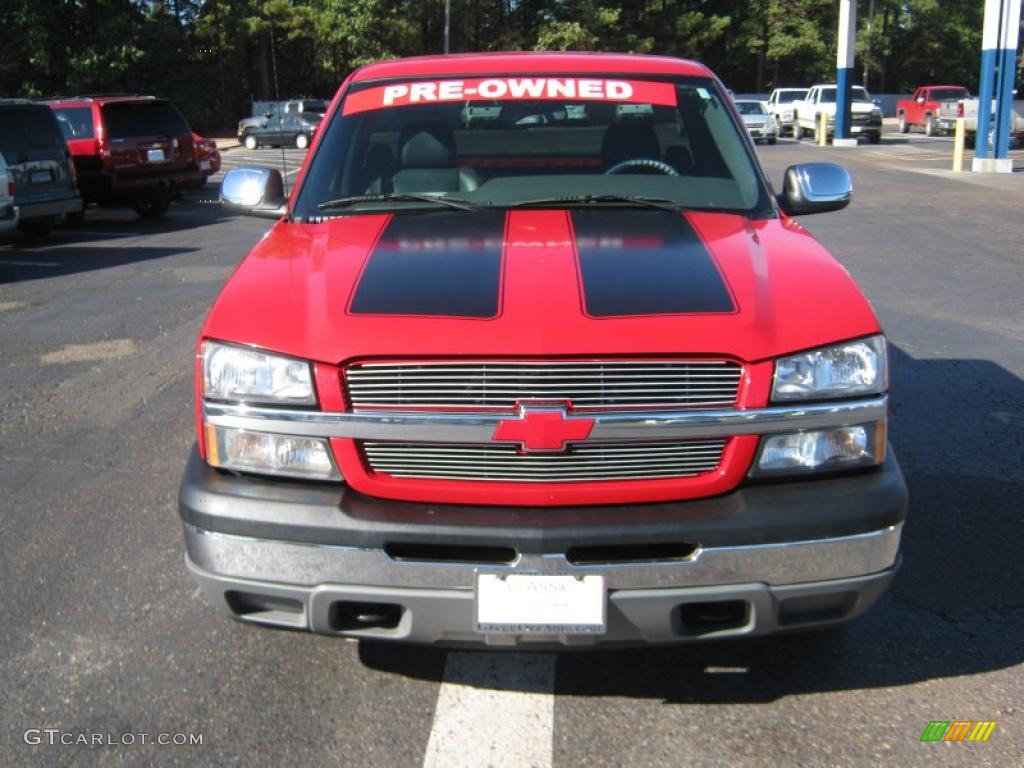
point(543, 429)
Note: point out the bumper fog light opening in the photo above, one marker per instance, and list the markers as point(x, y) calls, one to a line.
point(268, 453)
point(822, 450)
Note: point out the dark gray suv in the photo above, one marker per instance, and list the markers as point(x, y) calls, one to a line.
point(38, 159)
point(286, 123)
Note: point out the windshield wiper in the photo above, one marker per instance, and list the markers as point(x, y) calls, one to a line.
point(398, 197)
point(635, 200)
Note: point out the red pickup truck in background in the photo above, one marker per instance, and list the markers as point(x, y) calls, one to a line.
point(923, 107)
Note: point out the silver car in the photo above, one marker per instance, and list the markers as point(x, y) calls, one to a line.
point(760, 123)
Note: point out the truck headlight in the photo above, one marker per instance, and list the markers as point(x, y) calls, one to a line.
point(821, 450)
point(249, 375)
point(270, 454)
point(852, 368)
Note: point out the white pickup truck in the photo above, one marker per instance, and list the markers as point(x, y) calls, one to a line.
point(951, 109)
point(866, 116)
point(780, 104)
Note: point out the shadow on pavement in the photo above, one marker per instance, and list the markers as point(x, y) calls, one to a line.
point(59, 261)
point(956, 608)
point(98, 241)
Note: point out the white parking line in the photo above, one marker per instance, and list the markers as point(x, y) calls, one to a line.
point(494, 709)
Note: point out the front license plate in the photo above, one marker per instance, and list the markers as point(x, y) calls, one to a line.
point(41, 177)
point(547, 605)
point(155, 156)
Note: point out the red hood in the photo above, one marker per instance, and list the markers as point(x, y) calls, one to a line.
point(294, 294)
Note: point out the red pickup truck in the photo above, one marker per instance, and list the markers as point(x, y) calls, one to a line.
point(922, 108)
point(570, 377)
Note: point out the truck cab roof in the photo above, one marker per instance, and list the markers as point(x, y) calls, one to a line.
point(528, 63)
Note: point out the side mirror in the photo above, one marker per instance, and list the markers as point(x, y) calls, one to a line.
point(255, 192)
point(815, 188)
point(920, 99)
point(268, 113)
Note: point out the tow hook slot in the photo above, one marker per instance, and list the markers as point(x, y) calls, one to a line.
point(346, 616)
point(625, 554)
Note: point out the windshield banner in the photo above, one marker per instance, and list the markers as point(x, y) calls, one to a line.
point(511, 89)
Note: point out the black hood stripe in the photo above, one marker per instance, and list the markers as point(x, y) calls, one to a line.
point(645, 262)
point(444, 264)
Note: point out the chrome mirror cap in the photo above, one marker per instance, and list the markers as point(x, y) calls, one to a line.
point(815, 188)
point(254, 191)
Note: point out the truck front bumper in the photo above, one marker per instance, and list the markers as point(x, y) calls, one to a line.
point(764, 558)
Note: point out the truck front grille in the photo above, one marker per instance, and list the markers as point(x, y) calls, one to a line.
point(584, 463)
point(497, 385)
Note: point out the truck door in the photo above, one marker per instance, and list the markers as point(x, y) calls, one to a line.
point(916, 107)
point(272, 124)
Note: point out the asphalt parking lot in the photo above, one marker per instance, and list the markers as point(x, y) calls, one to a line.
point(104, 632)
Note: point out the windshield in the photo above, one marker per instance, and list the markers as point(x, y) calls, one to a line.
point(132, 119)
point(785, 97)
point(27, 126)
point(750, 107)
point(857, 93)
point(534, 137)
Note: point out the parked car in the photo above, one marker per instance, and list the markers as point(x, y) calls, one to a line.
point(865, 115)
point(475, 113)
point(575, 385)
point(291, 123)
point(8, 210)
point(39, 162)
point(951, 109)
point(207, 156)
point(780, 104)
point(760, 123)
point(922, 109)
point(134, 150)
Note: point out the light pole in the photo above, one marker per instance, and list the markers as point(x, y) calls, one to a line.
point(998, 51)
point(447, 25)
point(844, 75)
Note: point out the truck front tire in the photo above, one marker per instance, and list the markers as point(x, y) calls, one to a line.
point(904, 125)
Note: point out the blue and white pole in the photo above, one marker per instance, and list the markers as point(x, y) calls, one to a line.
point(1009, 31)
point(844, 67)
point(998, 54)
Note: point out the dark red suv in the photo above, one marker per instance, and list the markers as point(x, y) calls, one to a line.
point(134, 150)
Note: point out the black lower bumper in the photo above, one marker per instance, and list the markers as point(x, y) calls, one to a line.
point(49, 209)
point(312, 513)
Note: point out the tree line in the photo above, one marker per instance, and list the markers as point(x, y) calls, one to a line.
point(213, 57)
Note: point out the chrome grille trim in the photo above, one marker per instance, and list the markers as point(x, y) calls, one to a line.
point(610, 461)
point(500, 385)
point(413, 426)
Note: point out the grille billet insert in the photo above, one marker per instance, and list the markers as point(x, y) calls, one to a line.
point(608, 461)
point(618, 385)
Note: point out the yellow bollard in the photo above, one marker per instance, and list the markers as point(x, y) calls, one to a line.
point(822, 129)
point(959, 136)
